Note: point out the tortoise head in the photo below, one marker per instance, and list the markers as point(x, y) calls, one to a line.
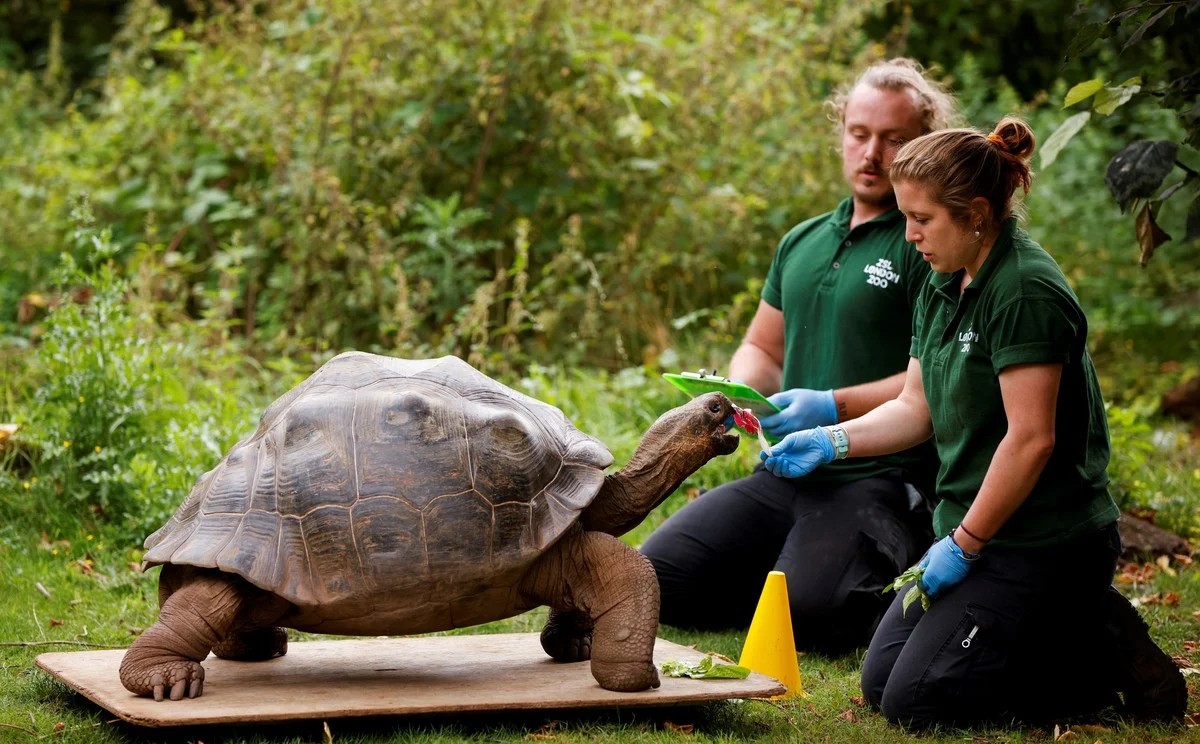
point(695, 431)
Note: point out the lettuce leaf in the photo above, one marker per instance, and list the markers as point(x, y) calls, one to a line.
point(707, 668)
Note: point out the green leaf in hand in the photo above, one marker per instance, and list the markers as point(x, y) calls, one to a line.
point(707, 668)
point(913, 575)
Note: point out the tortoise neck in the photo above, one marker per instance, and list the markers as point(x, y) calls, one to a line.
point(632, 492)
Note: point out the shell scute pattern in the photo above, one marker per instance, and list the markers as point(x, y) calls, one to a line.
point(409, 443)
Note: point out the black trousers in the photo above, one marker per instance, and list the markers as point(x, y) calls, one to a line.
point(1019, 638)
point(838, 546)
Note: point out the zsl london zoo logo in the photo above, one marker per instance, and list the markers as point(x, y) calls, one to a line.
point(881, 274)
point(966, 337)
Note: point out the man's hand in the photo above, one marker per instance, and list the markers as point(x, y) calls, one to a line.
point(945, 564)
point(799, 453)
point(800, 409)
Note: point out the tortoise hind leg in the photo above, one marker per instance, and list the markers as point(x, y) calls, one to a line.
point(199, 608)
point(196, 608)
point(253, 645)
point(568, 636)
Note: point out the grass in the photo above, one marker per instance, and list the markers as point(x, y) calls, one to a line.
point(97, 598)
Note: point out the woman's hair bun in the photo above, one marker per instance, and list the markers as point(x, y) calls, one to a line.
point(1014, 137)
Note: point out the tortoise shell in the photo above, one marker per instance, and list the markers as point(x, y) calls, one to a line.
point(379, 474)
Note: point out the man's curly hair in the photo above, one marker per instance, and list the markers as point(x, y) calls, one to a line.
point(938, 108)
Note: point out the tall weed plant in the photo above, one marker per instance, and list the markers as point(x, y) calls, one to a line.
point(123, 417)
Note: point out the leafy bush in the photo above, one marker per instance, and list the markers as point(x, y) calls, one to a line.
point(1158, 44)
point(618, 154)
point(542, 189)
point(1008, 42)
point(123, 418)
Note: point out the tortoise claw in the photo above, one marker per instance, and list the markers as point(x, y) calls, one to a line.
point(175, 681)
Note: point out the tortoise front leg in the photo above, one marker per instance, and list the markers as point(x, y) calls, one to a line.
point(198, 609)
point(594, 575)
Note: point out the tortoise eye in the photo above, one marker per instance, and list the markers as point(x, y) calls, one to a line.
point(715, 406)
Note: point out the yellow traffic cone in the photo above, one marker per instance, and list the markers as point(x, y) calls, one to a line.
point(770, 648)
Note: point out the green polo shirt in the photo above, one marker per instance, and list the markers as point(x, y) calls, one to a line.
point(1018, 309)
point(847, 298)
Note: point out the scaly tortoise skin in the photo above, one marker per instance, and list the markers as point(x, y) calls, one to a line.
point(385, 496)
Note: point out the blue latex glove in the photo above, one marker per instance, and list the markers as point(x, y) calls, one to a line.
point(945, 564)
point(799, 409)
point(799, 453)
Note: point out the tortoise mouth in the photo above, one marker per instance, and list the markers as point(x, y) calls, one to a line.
point(726, 442)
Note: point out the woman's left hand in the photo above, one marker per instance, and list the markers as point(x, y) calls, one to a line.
point(799, 453)
point(945, 564)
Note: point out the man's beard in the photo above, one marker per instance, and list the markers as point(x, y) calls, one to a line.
point(876, 198)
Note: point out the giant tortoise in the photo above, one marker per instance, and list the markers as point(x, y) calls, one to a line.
point(386, 496)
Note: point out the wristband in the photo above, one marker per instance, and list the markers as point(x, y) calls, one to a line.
point(841, 444)
point(963, 527)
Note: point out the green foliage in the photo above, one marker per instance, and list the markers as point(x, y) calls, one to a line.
point(120, 421)
point(911, 575)
point(442, 256)
point(1158, 41)
point(634, 150)
point(706, 668)
point(1153, 471)
point(63, 42)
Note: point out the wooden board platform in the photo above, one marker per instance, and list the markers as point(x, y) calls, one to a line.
point(390, 676)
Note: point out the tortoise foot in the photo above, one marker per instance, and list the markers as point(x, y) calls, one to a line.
point(625, 676)
point(567, 637)
point(170, 679)
point(255, 645)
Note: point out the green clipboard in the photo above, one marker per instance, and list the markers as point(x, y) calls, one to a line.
point(742, 395)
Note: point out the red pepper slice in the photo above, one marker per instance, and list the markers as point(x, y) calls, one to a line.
point(745, 419)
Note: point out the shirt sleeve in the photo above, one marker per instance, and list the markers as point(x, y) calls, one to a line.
point(916, 271)
point(1033, 332)
point(772, 293)
point(920, 303)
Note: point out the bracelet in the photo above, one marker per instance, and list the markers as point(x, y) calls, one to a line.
point(841, 443)
point(972, 535)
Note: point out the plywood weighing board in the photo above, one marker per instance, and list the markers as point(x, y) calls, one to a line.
point(389, 676)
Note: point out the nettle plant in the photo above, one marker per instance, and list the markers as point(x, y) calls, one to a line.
point(122, 420)
point(1161, 40)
